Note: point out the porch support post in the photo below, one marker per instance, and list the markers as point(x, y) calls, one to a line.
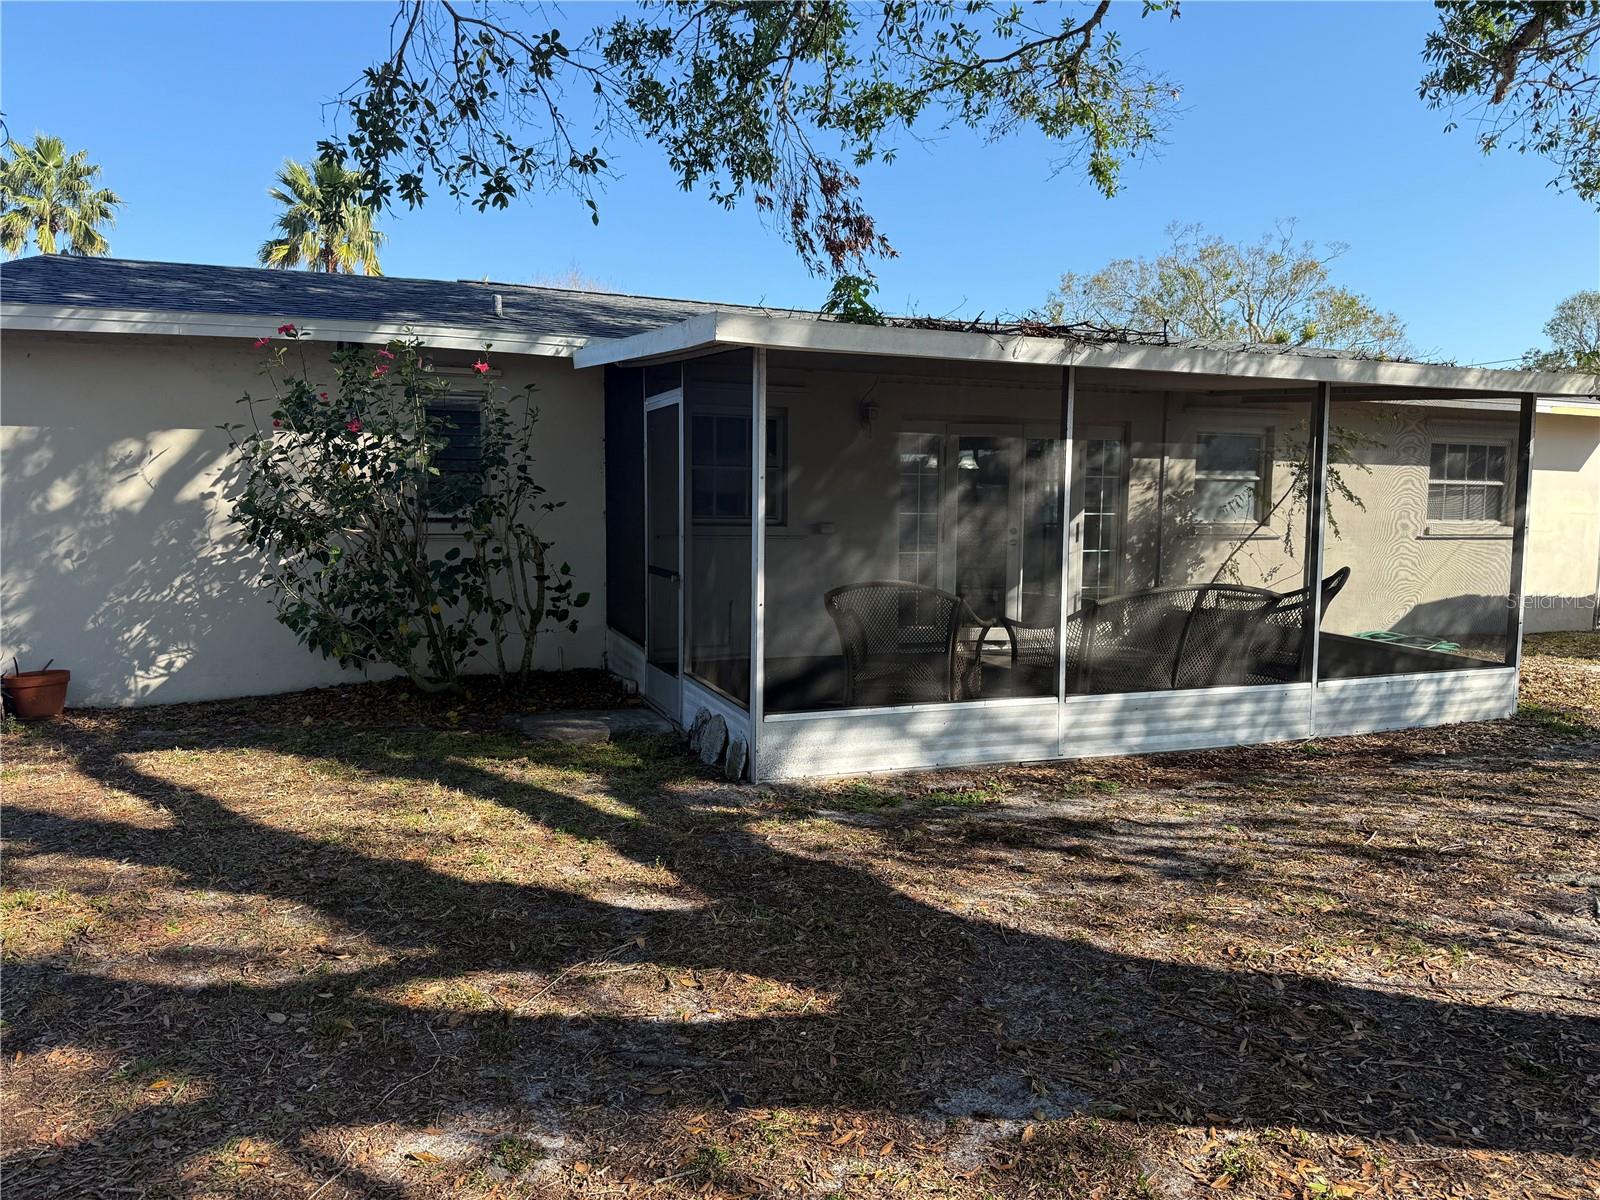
point(1519, 530)
point(1316, 523)
point(758, 547)
point(1069, 401)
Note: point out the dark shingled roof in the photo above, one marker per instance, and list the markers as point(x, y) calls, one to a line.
point(273, 296)
point(120, 283)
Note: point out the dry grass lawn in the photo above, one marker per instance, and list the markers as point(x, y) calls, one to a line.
point(252, 953)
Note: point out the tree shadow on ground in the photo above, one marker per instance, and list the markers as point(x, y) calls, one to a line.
point(901, 1005)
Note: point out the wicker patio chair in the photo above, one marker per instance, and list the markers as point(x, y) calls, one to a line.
point(906, 644)
point(1189, 636)
point(1121, 644)
point(1275, 652)
point(1192, 636)
point(1130, 649)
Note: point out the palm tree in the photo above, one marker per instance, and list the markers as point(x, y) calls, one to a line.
point(323, 226)
point(49, 197)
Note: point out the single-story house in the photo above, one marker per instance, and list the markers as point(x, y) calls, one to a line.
point(864, 547)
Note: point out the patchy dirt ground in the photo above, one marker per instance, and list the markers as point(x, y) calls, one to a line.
point(251, 956)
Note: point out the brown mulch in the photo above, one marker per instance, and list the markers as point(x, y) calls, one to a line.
point(1561, 677)
point(342, 944)
point(482, 703)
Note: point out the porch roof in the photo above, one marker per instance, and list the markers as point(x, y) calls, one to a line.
point(1357, 375)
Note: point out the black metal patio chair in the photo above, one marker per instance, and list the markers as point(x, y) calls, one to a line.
point(906, 644)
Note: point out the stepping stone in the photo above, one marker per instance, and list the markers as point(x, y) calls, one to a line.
point(734, 763)
point(713, 740)
point(596, 725)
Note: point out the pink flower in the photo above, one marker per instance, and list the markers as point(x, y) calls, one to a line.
point(286, 329)
point(354, 426)
point(379, 371)
point(385, 354)
point(481, 367)
point(277, 424)
point(324, 395)
point(262, 341)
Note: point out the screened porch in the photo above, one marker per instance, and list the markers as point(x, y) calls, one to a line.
point(864, 560)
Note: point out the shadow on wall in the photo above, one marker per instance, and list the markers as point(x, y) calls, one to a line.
point(1472, 621)
point(1560, 614)
point(120, 565)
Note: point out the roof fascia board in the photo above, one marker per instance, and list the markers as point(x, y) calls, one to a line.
point(685, 337)
point(837, 337)
point(155, 323)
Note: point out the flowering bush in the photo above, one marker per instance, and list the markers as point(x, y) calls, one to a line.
point(372, 551)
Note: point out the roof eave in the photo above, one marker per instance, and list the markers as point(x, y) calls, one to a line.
point(711, 331)
point(160, 323)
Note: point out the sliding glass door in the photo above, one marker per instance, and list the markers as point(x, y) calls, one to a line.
point(984, 562)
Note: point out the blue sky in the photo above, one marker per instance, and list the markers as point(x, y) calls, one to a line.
point(1300, 110)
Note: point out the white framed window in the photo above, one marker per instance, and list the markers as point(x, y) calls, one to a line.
point(1231, 480)
point(719, 467)
point(1467, 480)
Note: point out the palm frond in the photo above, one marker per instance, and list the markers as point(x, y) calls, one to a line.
point(323, 226)
point(51, 199)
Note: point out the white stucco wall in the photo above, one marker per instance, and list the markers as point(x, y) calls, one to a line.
point(116, 557)
point(1563, 568)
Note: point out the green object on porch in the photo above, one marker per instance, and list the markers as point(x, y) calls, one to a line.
point(1411, 641)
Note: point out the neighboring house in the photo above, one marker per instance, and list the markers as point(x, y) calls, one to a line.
point(725, 468)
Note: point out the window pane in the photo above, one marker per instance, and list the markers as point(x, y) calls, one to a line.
point(733, 492)
point(776, 496)
point(1472, 474)
point(702, 441)
point(701, 493)
point(1232, 452)
point(909, 491)
point(733, 441)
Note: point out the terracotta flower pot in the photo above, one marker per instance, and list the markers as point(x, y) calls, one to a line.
point(36, 695)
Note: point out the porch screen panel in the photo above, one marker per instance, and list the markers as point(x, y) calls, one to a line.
point(624, 490)
point(717, 487)
point(1420, 512)
point(919, 560)
point(1188, 528)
